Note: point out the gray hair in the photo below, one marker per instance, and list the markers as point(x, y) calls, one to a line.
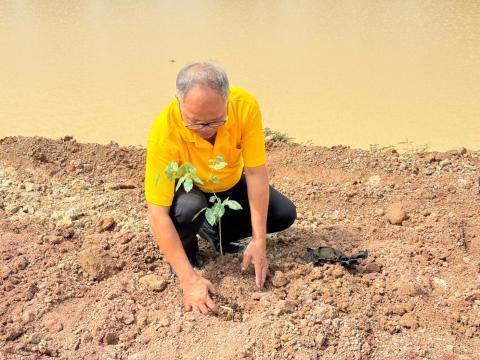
point(202, 73)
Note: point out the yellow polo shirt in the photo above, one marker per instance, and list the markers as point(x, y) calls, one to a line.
point(240, 141)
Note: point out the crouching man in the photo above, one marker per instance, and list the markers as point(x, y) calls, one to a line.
point(209, 118)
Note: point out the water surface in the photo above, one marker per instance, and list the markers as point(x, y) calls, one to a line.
point(328, 72)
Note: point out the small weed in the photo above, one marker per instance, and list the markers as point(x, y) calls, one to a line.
point(405, 148)
point(276, 135)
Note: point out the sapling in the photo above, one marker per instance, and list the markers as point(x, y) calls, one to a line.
point(187, 176)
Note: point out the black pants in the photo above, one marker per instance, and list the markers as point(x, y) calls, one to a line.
point(236, 224)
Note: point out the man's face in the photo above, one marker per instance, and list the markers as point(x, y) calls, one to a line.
point(203, 105)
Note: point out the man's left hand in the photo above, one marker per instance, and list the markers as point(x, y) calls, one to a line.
point(256, 254)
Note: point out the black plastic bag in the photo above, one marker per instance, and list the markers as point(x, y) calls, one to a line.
point(329, 255)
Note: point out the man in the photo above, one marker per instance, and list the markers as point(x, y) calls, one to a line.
point(209, 118)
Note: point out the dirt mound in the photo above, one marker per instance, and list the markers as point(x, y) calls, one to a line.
point(81, 276)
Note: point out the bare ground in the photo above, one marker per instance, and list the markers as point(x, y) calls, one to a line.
point(82, 278)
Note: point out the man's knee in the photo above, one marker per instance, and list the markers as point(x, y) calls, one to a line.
point(282, 214)
point(288, 213)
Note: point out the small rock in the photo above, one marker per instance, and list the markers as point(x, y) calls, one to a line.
point(279, 279)
point(73, 213)
point(97, 262)
point(11, 209)
point(15, 333)
point(176, 328)
point(320, 340)
point(409, 321)
point(105, 224)
point(337, 272)
point(154, 282)
point(440, 282)
point(379, 212)
point(373, 268)
point(373, 181)
point(110, 338)
point(28, 316)
point(54, 326)
point(284, 307)
point(20, 264)
point(53, 239)
point(470, 332)
point(128, 319)
point(395, 214)
point(164, 322)
point(323, 312)
point(119, 186)
point(35, 338)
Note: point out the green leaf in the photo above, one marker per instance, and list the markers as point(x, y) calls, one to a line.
point(219, 158)
point(157, 179)
point(232, 204)
point(188, 185)
point(198, 213)
point(212, 199)
point(218, 166)
point(169, 173)
point(210, 217)
point(197, 179)
point(226, 200)
point(215, 179)
point(180, 181)
point(174, 166)
point(181, 171)
point(221, 211)
point(218, 209)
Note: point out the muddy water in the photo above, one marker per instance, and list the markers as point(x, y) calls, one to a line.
point(327, 72)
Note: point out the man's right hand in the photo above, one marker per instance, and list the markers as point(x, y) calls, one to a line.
point(196, 294)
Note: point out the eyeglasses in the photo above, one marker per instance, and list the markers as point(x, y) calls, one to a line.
point(198, 126)
point(213, 124)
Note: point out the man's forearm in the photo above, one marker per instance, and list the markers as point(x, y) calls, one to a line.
point(258, 197)
point(169, 242)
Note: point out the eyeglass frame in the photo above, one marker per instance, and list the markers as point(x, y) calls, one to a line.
point(200, 126)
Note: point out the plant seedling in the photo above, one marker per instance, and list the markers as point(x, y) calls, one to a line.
point(187, 176)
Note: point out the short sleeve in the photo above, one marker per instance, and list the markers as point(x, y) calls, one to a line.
point(253, 140)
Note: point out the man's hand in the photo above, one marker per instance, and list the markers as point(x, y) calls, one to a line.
point(256, 254)
point(196, 295)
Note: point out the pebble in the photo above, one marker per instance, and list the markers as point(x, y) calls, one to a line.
point(440, 282)
point(409, 321)
point(73, 213)
point(284, 307)
point(379, 212)
point(164, 322)
point(15, 333)
point(395, 214)
point(154, 282)
point(119, 186)
point(53, 239)
point(337, 273)
point(105, 224)
point(176, 328)
point(110, 338)
point(373, 181)
point(96, 262)
point(54, 326)
point(279, 279)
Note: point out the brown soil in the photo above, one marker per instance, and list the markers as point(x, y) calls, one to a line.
point(82, 278)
